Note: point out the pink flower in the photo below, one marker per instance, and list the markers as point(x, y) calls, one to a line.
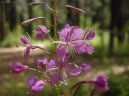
point(41, 31)
point(18, 67)
point(60, 71)
point(35, 85)
point(74, 41)
point(101, 84)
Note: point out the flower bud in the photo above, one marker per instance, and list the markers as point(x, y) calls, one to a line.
point(27, 51)
point(35, 85)
point(75, 8)
point(18, 68)
point(30, 21)
point(24, 40)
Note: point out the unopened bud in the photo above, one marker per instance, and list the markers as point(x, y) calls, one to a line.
point(30, 21)
point(36, 3)
point(75, 8)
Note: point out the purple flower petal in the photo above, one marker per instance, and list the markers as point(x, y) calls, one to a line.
point(42, 62)
point(38, 86)
point(31, 81)
point(62, 52)
point(90, 35)
point(80, 46)
point(101, 84)
point(55, 78)
point(64, 33)
point(75, 33)
point(67, 26)
point(85, 67)
point(39, 36)
point(73, 70)
point(41, 31)
point(89, 49)
point(51, 64)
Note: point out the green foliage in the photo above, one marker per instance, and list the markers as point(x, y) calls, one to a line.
point(118, 85)
point(12, 38)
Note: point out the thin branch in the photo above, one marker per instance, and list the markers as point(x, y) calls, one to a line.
point(77, 90)
point(93, 91)
point(33, 47)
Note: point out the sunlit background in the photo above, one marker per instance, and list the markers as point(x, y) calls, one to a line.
point(109, 19)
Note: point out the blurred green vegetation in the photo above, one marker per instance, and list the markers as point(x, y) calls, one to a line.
point(118, 85)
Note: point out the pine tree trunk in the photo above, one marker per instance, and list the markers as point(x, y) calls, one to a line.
point(72, 16)
point(12, 14)
point(116, 22)
point(30, 13)
point(2, 19)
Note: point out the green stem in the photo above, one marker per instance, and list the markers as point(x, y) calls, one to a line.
point(77, 90)
point(54, 18)
point(58, 90)
point(92, 92)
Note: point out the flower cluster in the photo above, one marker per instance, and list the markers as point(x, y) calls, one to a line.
point(73, 41)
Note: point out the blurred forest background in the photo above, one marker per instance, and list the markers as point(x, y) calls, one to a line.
point(109, 18)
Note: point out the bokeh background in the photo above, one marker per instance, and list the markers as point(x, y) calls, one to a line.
point(110, 20)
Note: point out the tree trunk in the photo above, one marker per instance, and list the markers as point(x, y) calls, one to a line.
point(2, 19)
point(30, 13)
point(52, 22)
point(72, 16)
point(115, 16)
point(12, 14)
point(116, 22)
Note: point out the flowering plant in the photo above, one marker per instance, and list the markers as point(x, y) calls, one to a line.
point(58, 68)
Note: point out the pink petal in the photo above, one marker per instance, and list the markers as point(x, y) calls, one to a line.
point(42, 62)
point(61, 50)
point(55, 78)
point(63, 34)
point(40, 36)
point(80, 46)
point(89, 49)
point(85, 67)
point(90, 35)
point(76, 33)
point(73, 70)
point(51, 64)
point(38, 86)
point(32, 80)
